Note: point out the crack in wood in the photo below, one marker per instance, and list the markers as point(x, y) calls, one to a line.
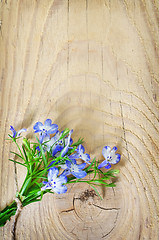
point(103, 208)
point(19, 205)
point(68, 210)
point(15, 177)
point(124, 131)
point(140, 232)
point(1, 26)
point(112, 227)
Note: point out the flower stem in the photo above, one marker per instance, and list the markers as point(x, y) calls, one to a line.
point(7, 212)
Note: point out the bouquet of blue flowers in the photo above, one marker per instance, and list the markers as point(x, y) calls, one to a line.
point(53, 161)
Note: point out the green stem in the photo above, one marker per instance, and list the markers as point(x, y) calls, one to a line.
point(25, 186)
point(7, 212)
point(19, 149)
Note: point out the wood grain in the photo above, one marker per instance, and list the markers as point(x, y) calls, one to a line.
point(90, 65)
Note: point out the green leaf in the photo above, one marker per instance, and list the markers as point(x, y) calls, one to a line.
point(105, 178)
point(99, 181)
point(87, 169)
point(33, 197)
point(65, 132)
point(7, 212)
point(95, 170)
point(17, 162)
point(26, 157)
point(48, 191)
point(71, 151)
point(90, 171)
point(96, 191)
point(111, 185)
point(42, 152)
point(26, 143)
point(17, 155)
point(25, 186)
point(80, 141)
point(115, 171)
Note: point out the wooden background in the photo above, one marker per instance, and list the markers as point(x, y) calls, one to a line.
point(90, 65)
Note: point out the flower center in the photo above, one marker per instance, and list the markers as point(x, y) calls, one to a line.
point(53, 184)
point(74, 168)
point(109, 158)
point(44, 130)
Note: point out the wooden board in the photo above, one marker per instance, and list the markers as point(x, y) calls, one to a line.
point(90, 65)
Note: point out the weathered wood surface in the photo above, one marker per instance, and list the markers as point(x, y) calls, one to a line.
point(91, 65)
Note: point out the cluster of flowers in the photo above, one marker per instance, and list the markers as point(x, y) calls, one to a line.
point(62, 148)
point(52, 162)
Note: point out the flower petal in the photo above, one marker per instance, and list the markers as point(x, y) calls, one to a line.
point(47, 186)
point(68, 164)
point(85, 157)
point(73, 156)
point(73, 161)
point(56, 149)
point(42, 136)
point(20, 131)
point(61, 189)
point(66, 172)
point(53, 129)
point(13, 131)
point(115, 159)
point(52, 162)
point(38, 127)
point(48, 123)
point(53, 172)
point(80, 174)
point(106, 151)
point(82, 148)
point(62, 179)
point(82, 165)
point(114, 149)
point(71, 141)
point(103, 164)
point(45, 182)
point(108, 166)
point(65, 150)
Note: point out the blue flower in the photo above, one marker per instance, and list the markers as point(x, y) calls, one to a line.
point(80, 154)
point(55, 145)
point(68, 143)
point(110, 157)
point(49, 144)
point(71, 167)
point(15, 133)
point(60, 144)
point(46, 129)
point(54, 182)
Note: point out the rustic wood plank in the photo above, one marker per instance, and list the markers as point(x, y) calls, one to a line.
point(90, 65)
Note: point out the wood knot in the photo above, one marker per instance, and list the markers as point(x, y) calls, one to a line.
point(87, 194)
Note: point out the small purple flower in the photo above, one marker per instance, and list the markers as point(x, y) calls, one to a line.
point(80, 154)
point(68, 143)
point(15, 133)
point(54, 182)
point(71, 167)
point(46, 129)
point(55, 145)
point(60, 144)
point(49, 144)
point(110, 157)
